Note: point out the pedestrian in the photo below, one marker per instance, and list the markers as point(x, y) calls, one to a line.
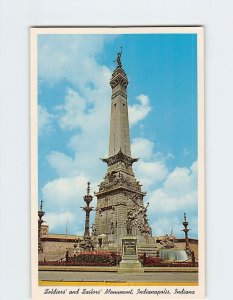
point(67, 255)
point(144, 259)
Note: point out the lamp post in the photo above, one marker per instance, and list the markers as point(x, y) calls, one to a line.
point(186, 230)
point(40, 222)
point(87, 239)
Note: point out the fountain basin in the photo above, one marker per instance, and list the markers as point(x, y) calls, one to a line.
point(173, 254)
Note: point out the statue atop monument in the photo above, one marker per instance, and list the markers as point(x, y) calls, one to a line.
point(118, 60)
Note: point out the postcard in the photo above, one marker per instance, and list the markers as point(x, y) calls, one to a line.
point(117, 162)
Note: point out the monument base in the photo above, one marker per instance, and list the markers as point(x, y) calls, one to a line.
point(130, 262)
point(132, 266)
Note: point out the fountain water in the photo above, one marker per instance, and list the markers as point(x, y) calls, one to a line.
point(173, 254)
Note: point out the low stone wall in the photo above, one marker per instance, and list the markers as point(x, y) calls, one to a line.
point(57, 247)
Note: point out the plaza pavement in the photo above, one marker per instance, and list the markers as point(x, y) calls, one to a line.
point(79, 278)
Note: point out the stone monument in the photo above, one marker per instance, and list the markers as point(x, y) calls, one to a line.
point(129, 262)
point(120, 208)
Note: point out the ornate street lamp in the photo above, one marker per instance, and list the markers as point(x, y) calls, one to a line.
point(88, 245)
point(186, 230)
point(40, 222)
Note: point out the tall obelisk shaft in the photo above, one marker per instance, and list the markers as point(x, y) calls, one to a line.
point(119, 125)
point(120, 197)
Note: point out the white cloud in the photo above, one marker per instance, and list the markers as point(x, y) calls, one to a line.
point(178, 193)
point(63, 199)
point(138, 112)
point(62, 163)
point(85, 163)
point(63, 192)
point(72, 58)
point(73, 110)
point(164, 225)
point(150, 173)
point(181, 180)
point(44, 120)
point(59, 219)
point(86, 106)
point(151, 169)
point(168, 203)
point(142, 148)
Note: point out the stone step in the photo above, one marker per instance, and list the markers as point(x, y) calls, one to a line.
point(146, 248)
point(150, 250)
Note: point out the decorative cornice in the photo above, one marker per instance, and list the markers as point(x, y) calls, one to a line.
point(119, 77)
point(111, 189)
point(120, 156)
point(119, 93)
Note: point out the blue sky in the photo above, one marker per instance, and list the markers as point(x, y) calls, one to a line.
point(74, 98)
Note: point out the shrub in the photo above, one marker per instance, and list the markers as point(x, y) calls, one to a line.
point(87, 259)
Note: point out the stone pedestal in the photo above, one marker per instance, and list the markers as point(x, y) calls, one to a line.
point(130, 262)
